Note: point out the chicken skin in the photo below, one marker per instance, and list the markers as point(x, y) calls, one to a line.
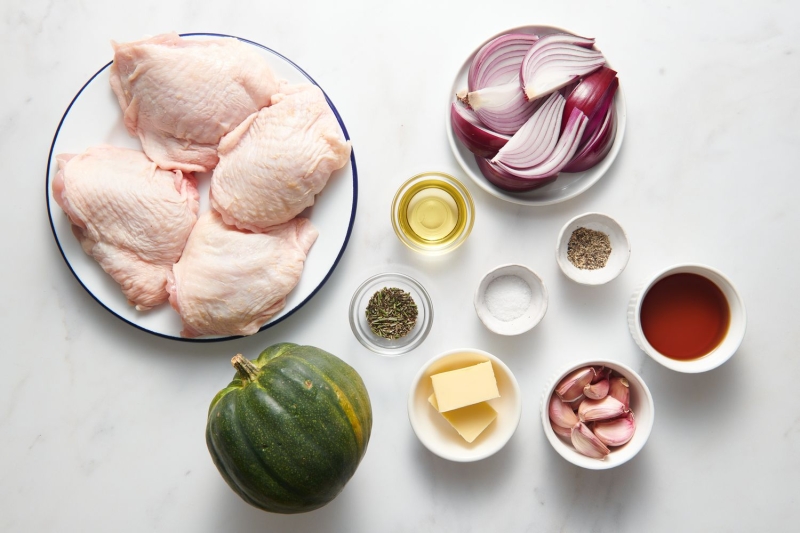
point(230, 282)
point(180, 96)
point(129, 215)
point(273, 164)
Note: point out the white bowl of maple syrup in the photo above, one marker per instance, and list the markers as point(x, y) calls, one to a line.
point(688, 317)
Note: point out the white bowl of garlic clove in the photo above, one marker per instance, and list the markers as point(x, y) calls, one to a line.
point(601, 418)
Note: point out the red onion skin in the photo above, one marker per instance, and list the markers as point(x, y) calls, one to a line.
point(591, 154)
point(597, 121)
point(479, 142)
point(592, 95)
point(503, 180)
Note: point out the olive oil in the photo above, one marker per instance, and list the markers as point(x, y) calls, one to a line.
point(432, 213)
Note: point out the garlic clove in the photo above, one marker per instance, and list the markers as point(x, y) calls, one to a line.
point(587, 443)
point(597, 391)
point(615, 432)
point(574, 404)
point(600, 373)
point(620, 389)
point(561, 413)
point(608, 407)
point(571, 387)
point(564, 433)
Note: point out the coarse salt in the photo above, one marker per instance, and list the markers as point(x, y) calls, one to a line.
point(507, 297)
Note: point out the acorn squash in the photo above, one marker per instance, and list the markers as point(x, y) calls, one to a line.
point(289, 431)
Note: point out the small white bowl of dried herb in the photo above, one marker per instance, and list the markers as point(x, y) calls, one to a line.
point(592, 249)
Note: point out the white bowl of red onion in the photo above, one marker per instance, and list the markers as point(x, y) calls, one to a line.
point(608, 420)
point(524, 132)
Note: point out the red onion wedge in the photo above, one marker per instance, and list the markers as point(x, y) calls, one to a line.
point(476, 137)
point(503, 108)
point(562, 154)
point(503, 180)
point(498, 61)
point(593, 95)
point(536, 139)
point(597, 147)
point(556, 60)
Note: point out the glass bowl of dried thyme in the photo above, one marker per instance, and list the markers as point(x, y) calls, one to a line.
point(592, 249)
point(391, 313)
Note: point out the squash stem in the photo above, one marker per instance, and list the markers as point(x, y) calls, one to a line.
point(247, 369)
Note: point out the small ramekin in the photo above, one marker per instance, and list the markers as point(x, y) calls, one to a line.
point(728, 346)
point(436, 434)
point(620, 249)
point(641, 404)
point(532, 316)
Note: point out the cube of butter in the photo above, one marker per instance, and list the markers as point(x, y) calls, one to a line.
point(469, 421)
point(465, 386)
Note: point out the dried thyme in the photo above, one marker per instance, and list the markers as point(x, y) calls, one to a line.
point(588, 249)
point(391, 313)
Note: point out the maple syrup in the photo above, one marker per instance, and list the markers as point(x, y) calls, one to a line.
point(685, 316)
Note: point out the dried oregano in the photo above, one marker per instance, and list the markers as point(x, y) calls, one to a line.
point(391, 313)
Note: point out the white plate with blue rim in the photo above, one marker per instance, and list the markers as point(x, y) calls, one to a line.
point(94, 117)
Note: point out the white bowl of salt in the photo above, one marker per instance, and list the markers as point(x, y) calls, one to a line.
point(511, 299)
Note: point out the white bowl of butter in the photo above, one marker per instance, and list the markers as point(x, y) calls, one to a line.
point(464, 405)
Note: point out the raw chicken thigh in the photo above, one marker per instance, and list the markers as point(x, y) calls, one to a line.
point(230, 282)
point(274, 163)
point(131, 216)
point(180, 96)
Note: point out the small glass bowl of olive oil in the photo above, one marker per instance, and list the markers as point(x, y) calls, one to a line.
point(433, 213)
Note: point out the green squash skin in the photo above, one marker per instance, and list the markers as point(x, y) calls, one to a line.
point(289, 441)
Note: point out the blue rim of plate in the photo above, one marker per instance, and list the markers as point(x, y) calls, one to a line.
point(269, 324)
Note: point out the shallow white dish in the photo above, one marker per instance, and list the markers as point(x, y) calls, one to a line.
point(437, 435)
point(567, 185)
point(620, 249)
point(720, 354)
point(94, 117)
point(536, 308)
point(641, 404)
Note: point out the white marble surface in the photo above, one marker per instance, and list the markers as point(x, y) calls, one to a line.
point(101, 425)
